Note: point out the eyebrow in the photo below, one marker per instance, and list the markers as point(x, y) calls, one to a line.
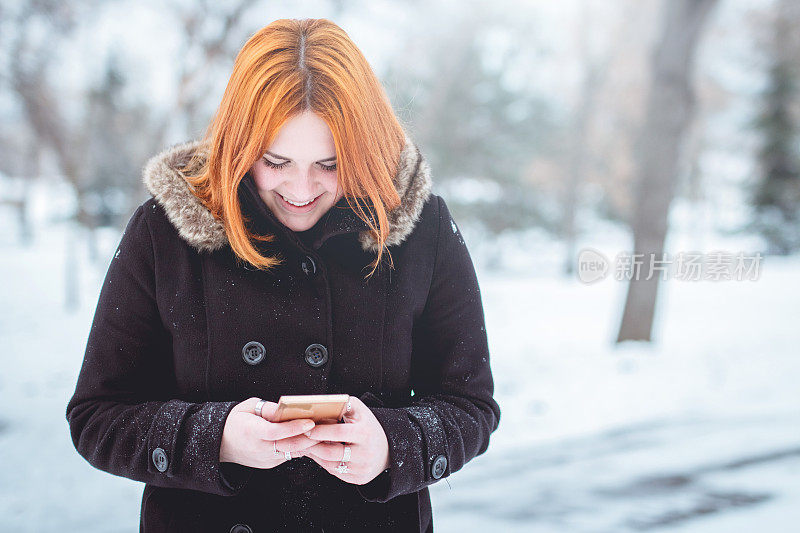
point(287, 159)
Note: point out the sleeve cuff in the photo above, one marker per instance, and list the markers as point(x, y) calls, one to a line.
point(184, 443)
point(416, 452)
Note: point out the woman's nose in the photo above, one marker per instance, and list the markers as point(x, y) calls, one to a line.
point(303, 185)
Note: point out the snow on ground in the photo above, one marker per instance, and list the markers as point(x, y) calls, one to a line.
point(698, 433)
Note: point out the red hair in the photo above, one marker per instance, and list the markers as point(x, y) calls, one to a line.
point(285, 68)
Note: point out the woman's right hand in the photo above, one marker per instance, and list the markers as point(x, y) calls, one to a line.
point(248, 439)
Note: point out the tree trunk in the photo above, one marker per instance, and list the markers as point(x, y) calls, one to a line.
point(670, 106)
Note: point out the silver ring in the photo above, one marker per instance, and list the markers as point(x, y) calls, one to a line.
point(259, 406)
point(343, 468)
point(287, 455)
point(346, 456)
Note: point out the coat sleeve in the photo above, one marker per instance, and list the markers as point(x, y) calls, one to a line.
point(123, 416)
point(453, 411)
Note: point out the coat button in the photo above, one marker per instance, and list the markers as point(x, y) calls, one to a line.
point(308, 265)
point(253, 352)
point(316, 355)
point(439, 466)
point(241, 528)
point(160, 459)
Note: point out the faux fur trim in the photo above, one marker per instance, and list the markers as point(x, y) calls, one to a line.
point(198, 227)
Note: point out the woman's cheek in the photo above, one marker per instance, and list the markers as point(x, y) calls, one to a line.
point(264, 179)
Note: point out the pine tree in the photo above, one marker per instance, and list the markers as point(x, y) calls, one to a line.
point(776, 192)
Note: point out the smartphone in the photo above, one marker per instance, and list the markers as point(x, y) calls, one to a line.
point(321, 408)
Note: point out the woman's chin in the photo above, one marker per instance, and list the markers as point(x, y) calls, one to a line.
point(298, 222)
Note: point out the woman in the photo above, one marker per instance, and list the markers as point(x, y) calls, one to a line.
point(297, 249)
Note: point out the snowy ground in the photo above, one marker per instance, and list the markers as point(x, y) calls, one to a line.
point(699, 433)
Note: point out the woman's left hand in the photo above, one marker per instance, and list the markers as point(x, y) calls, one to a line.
point(369, 448)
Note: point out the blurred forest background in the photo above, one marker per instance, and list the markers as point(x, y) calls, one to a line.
point(643, 125)
point(537, 119)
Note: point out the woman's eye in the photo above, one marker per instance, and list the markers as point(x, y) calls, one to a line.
point(275, 165)
point(278, 166)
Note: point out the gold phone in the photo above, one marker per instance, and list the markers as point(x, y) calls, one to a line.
point(321, 408)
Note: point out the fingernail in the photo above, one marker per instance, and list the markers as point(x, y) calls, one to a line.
point(308, 425)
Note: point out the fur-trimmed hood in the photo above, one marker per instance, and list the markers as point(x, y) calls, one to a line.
point(198, 227)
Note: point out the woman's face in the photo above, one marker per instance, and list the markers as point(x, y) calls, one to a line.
point(299, 167)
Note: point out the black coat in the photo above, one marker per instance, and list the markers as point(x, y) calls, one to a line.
point(182, 333)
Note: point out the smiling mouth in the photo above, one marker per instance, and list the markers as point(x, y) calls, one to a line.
point(298, 206)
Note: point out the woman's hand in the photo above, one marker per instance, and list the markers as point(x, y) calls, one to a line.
point(363, 433)
point(248, 439)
